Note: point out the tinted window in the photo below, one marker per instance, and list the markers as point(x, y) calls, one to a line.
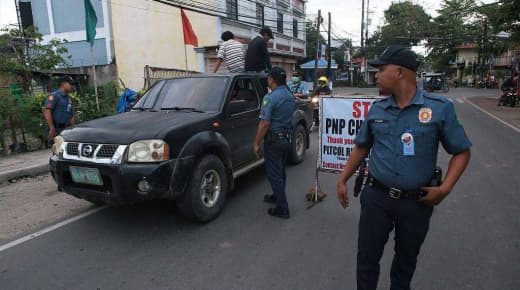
point(199, 93)
point(244, 90)
point(150, 97)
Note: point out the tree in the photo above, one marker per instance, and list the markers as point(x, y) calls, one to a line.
point(24, 52)
point(450, 30)
point(505, 16)
point(406, 24)
point(339, 57)
point(311, 40)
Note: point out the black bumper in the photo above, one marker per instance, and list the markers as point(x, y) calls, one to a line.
point(168, 180)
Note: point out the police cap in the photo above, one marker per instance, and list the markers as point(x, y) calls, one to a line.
point(397, 55)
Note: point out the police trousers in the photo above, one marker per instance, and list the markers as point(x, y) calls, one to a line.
point(380, 214)
point(275, 156)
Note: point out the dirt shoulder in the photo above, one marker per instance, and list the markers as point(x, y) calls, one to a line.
point(32, 203)
point(508, 114)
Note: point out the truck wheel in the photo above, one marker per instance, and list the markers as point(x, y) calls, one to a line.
point(206, 193)
point(298, 145)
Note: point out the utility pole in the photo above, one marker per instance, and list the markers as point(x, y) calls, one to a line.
point(318, 22)
point(362, 29)
point(329, 53)
point(366, 42)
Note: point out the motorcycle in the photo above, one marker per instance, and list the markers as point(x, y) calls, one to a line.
point(510, 97)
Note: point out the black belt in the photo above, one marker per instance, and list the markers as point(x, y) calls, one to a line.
point(278, 135)
point(60, 125)
point(395, 192)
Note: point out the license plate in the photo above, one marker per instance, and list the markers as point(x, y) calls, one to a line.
point(86, 175)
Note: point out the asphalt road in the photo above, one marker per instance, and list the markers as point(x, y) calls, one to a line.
point(473, 243)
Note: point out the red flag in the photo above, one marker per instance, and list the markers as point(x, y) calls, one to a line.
point(189, 35)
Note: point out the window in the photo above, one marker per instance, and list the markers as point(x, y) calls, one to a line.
point(279, 23)
point(295, 28)
point(232, 9)
point(244, 91)
point(203, 93)
point(260, 15)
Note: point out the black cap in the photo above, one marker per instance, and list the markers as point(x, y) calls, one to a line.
point(268, 31)
point(278, 74)
point(66, 79)
point(397, 55)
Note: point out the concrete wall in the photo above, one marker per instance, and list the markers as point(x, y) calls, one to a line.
point(150, 33)
point(104, 73)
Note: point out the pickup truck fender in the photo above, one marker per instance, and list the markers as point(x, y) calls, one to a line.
point(299, 119)
point(200, 144)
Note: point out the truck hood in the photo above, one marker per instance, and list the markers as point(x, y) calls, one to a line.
point(129, 127)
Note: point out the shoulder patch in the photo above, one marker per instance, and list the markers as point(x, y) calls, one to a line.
point(50, 98)
point(266, 102)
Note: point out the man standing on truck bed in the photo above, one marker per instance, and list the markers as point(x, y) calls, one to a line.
point(231, 52)
point(59, 113)
point(257, 56)
point(275, 128)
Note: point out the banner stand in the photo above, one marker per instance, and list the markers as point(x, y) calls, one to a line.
point(313, 194)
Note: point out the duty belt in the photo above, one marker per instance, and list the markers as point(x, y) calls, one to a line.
point(60, 125)
point(395, 192)
point(278, 135)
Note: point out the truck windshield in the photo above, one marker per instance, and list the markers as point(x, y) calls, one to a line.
point(203, 94)
point(148, 100)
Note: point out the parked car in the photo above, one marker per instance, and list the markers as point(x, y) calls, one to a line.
point(187, 139)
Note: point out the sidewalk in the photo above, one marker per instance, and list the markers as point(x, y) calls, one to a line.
point(24, 164)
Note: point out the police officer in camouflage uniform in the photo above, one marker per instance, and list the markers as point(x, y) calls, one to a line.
point(59, 112)
point(402, 134)
point(275, 129)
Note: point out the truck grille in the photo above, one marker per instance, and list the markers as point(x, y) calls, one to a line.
point(72, 148)
point(107, 151)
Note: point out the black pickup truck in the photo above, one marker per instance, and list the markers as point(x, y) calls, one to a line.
point(187, 139)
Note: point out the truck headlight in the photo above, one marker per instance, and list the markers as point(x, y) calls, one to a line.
point(148, 151)
point(315, 100)
point(56, 147)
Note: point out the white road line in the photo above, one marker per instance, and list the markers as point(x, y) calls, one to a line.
point(493, 116)
point(49, 229)
point(460, 100)
point(450, 99)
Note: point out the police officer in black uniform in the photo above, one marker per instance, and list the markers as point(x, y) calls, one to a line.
point(402, 134)
point(275, 129)
point(59, 112)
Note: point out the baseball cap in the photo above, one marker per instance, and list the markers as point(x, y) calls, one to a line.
point(268, 31)
point(397, 55)
point(278, 74)
point(66, 79)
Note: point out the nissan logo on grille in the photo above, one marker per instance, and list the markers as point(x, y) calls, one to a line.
point(87, 150)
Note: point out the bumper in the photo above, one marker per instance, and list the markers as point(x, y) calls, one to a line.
point(167, 180)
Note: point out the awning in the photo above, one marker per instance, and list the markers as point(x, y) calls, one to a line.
point(322, 64)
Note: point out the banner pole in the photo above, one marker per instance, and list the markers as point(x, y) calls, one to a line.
point(94, 74)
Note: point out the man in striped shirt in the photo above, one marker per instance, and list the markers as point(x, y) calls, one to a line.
point(231, 52)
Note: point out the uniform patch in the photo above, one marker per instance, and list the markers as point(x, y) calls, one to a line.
point(267, 101)
point(51, 97)
point(425, 115)
point(49, 105)
point(408, 144)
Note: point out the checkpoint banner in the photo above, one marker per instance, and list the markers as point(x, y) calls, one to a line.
point(340, 121)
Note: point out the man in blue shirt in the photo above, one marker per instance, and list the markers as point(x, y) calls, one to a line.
point(402, 134)
point(59, 113)
point(298, 88)
point(275, 129)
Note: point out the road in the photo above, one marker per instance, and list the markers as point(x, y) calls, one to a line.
point(473, 242)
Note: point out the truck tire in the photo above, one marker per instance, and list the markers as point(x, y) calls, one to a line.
point(206, 194)
point(298, 145)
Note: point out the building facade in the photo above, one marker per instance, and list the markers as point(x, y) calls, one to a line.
point(133, 34)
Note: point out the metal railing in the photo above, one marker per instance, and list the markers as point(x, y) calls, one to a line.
point(153, 74)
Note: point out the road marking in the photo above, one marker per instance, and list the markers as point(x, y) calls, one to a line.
point(493, 116)
point(49, 229)
point(450, 99)
point(460, 101)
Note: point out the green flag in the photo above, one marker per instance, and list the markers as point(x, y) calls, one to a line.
point(90, 22)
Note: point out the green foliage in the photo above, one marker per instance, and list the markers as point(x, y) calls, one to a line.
point(405, 24)
point(339, 58)
point(505, 16)
point(312, 40)
point(25, 53)
point(85, 103)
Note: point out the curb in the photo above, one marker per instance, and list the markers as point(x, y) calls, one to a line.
point(27, 171)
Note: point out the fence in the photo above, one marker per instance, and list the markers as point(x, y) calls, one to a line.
point(154, 74)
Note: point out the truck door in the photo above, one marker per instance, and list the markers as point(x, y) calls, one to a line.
point(243, 106)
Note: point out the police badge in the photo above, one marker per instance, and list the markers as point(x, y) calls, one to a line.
point(425, 115)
